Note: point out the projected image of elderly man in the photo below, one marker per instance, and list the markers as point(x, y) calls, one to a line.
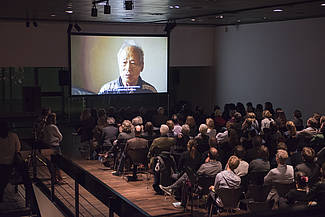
point(131, 64)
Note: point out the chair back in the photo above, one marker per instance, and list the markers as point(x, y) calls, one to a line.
point(283, 189)
point(256, 178)
point(204, 182)
point(138, 156)
point(229, 197)
point(258, 192)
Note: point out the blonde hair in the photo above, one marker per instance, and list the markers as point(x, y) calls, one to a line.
point(267, 114)
point(281, 156)
point(210, 123)
point(233, 162)
point(291, 127)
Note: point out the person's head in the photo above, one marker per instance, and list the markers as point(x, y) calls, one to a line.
point(137, 130)
point(312, 122)
point(263, 153)
point(45, 112)
point(101, 113)
point(51, 118)
point(239, 151)
point(267, 114)
point(131, 62)
point(126, 126)
point(282, 146)
point(4, 129)
point(281, 156)
point(203, 129)
point(291, 127)
point(185, 130)
point(297, 114)
point(210, 123)
point(192, 147)
point(251, 115)
point(190, 121)
point(322, 170)
point(301, 180)
point(170, 125)
point(148, 127)
point(161, 111)
point(137, 121)
point(237, 117)
point(233, 162)
point(110, 121)
point(164, 130)
point(322, 119)
point(85, 114)
point(308, 154)
point(213, 153)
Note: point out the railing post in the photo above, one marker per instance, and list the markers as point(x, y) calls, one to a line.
point(76, 196)
point(53, 177)
point(111, 213)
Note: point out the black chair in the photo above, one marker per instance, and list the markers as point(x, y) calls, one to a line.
point(138, 157)
point(283, 189)
point(229, 197)
point(256, 178)
point(203, 185)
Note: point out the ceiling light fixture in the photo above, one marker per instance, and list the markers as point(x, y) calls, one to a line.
point(193, 19)
point(94, 10)
point(176, 6)
point(107, 8)
point(323, 4)
point(277, 10)
point(69, 10)
point(128, 5)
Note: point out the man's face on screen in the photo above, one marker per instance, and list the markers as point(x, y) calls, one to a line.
point(130, 66)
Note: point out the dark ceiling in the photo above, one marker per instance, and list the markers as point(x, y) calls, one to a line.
point(209, 12)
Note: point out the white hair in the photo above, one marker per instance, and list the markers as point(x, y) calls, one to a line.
point(203, 128)
point(138, 49)
point(164, 130)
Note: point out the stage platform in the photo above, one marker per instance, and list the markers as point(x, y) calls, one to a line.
point(139, 195)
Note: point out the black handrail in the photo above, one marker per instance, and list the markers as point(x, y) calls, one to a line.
point(108, 196)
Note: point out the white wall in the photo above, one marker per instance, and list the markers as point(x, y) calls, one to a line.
point(281, 62)
point(47, 45)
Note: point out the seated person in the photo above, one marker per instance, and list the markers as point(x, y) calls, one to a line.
point(162, 143)
point(242, 168)
point(9, 144)
point(298, 196)
point(309, 167)
point(203, 139)
point(134, 143)
point(283, 173)
point(260, 164)
point(109, 132)
point(225, 179)
point(210, 169)
point(317, 193)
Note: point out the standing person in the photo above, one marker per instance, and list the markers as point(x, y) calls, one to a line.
point(53, 137)
point(9, 144)
point(131, 63)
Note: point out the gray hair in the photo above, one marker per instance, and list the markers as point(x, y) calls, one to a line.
point(164, 130)
point(132, 43)
point(185, 129)
point(203, 128)
point(137, 121)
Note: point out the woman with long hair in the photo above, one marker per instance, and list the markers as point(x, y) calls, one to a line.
point(9, 144)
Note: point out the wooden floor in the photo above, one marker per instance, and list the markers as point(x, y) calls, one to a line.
point(139, 192)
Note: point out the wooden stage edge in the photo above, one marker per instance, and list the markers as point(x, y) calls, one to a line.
point(140, 193)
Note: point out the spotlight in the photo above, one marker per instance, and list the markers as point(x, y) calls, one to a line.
point(27, 24)
point(107, 8)
point(128, 5)
point(77, 27)
point(94, 10)
point(35, 24)
point(69, 28)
